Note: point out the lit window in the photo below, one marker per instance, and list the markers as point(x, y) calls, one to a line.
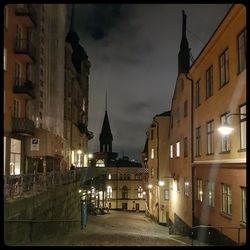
point(109, 176)
point(224, 68)
point(140, 192)
point(109, 192)
point(186, 187)
point(199, 190)
point(209, 82)
point(210, 133)
point(171, 151)
point(225, 139)
point(5, 59)
point(226, 199)
point(178, 149)
point(100, 163)
point(243, 127)
point(210, 188)
point(15, 156)
point(152, 153)
point(241, 42)
point(243, 204)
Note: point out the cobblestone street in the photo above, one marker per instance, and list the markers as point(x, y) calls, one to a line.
point(117, 228)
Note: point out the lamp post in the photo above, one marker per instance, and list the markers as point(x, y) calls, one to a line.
point(225, 129)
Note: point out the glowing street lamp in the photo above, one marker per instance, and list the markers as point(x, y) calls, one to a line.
point(150, 186)
point(226, 129)
point(161, 183)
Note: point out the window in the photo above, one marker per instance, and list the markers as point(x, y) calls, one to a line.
point(243, 127)
point(243, 204)
point(210, 188)
point(128, 176)
point(6, 17)
point(171, 151)
point(186, 186)
point(185, 108)
point(225, 141)
point(178, 115)
point(241, 45)
point(185, 142)
point(5, 59)
point(178, 153)
point(152, 134)
point(100, 163)
point(139, 192)
point(197, 93)
point(109, 192)
point(209, 82)
point(224, 68)
point(17, 74)
point(198, 142)
point(15, 156)
point(178, 183)
point(199, 190)
point(109, 176)
point(16, 108)
point(18, 37)
point(166, 194)
point(152, 153)
point(152, 172)
point(124, 192)
point(226, 199)
point(210, 141)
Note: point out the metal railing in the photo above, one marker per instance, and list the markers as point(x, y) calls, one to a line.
point(24, 46)
point(23, 125)
point(16, 186)
point(23, 85)
point(218, 235)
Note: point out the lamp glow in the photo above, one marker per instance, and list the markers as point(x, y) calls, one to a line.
point(150, 186)
point(225, 130)
point(79, 152)
point(90, 156)
point(161, 183)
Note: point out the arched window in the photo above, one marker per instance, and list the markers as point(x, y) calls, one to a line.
point(140, 192)
point(124, 192)
point(100, 163)
point(109, 192)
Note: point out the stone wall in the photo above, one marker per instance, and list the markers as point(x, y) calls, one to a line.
point(58, 211)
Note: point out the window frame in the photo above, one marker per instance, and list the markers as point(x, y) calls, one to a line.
point(238, 50)
point(197, 93)
point(198, 142)
point(210, 134)
point(185, 145)
point(210, 199)
point(199, 189)
point(209, 81)
point(225, 71)
point(225, 139)
point(226, 207)
point(243, 202)
point(243, 119)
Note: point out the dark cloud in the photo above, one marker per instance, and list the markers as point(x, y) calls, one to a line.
point(137, 108)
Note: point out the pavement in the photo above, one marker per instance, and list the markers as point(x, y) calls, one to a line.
point(118, 228)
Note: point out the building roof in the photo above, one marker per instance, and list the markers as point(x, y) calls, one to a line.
point(106, 135)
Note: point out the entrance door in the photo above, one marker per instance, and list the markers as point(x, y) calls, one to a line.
point(137, 206)
point(124, 206)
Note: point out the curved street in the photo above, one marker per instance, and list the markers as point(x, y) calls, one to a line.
point(118, 228)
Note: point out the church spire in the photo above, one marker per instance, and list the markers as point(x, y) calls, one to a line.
point(184, 53)
point(71, 28)
point(72, 36)
point(106, 136)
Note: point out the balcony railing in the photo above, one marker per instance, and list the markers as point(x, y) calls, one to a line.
point(24, 86)
point(17, 186)
point(26, 10)
point(25, 47)
point(23, 126)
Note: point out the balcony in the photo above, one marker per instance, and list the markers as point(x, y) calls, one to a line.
point(23, 126)
point(24, 50)
point(26, 14)
point(84, 130)
point(24, 87)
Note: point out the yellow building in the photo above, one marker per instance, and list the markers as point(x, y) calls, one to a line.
point(208, 169)
point(158, 169)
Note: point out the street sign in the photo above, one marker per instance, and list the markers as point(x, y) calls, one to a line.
point(34, 145)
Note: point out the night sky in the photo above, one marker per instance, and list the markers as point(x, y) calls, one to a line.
point(133, 50)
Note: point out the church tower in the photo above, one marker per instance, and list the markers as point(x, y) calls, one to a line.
point(106, 137)
point(184, 53)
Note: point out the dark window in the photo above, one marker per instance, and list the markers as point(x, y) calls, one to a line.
point(124, 192)
point(185, 108)
point(209, 82)
point(226, 199)
point(197, 93)
point(152, 134)
point(198, 141)
point(185, 147)
point(224, 68)
point(243, 127)
point(241, 45)
point(210, 140)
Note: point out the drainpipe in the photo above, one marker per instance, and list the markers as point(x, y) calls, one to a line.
point(192, 148)
point(158, 188)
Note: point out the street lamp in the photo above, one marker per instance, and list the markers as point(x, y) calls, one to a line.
point(225, 129)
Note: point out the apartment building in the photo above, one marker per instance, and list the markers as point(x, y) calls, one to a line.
point(209, 169)
point(158, 167)
point(219, 75)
